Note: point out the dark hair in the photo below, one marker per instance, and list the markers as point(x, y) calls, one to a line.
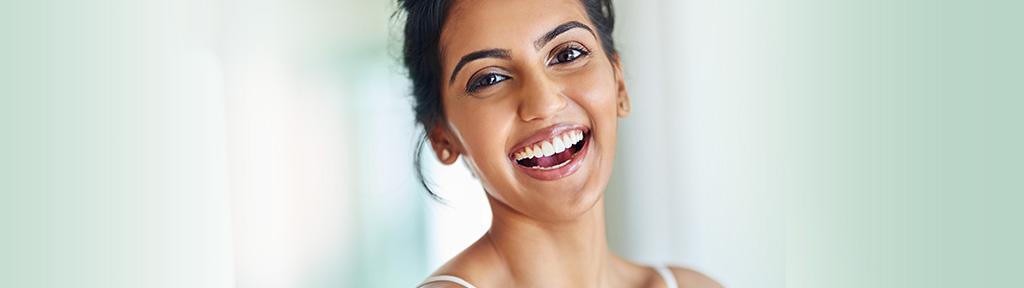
point(421, 55)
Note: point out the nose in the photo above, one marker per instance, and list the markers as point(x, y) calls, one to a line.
point(541, 99)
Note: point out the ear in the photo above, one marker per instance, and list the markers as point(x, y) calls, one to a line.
point(622, 96)
point(443, 143)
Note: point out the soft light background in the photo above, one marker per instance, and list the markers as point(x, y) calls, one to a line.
point(268, 143)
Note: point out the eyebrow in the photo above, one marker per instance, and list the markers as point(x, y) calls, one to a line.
point(506, 54)
point(488, 53)
point(559, 30)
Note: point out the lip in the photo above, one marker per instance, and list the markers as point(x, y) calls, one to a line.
point(547, 133)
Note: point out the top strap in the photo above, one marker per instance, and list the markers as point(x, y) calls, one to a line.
point(446, 278)
point(668, 276)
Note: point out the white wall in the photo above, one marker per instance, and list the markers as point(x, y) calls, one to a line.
point(692, 186)
point(114, 170)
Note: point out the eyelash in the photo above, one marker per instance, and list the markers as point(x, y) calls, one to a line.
point(571, 47)
point(489, 79)
point(484, 81)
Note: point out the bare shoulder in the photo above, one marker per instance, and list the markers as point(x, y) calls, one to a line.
point(475, 265)
point(689, 278)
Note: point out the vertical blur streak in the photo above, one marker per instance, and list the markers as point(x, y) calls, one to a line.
point(823, 143)
point(319, 147)
point(692, 185)
point(112, 157)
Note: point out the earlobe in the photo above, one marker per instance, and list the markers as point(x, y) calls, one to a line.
point(441, 143)
point(622, 96)
point(445, 153)
point(624, 106)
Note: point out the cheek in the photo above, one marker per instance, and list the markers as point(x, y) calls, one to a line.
point(483, 130)
point(594, 89)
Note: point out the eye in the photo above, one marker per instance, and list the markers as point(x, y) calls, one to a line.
point(484, 81)
point(568, 54)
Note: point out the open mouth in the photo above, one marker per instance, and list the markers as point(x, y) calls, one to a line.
point(552, 153)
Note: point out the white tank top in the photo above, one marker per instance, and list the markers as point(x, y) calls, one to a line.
point(666, 274)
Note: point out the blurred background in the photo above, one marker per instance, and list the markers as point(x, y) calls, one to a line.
point(268, 143)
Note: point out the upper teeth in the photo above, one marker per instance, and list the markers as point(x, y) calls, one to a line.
point(551, 146)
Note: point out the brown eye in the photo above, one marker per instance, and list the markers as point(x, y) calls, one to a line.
point(484, 81)
point(568, 54)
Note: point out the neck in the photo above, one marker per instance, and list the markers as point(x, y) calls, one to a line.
point(555, 254)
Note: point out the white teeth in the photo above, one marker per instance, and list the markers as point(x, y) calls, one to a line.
point(548, 149)
point(559, 145)
point(551, 146)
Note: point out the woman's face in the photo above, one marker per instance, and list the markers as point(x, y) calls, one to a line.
point(531, 101)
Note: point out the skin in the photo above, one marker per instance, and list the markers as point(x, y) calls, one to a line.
point(544, 233)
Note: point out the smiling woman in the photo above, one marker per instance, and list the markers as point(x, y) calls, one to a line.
point(261, 144)
point(530, 101)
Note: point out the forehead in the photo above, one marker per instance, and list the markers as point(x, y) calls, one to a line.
point(506, 24)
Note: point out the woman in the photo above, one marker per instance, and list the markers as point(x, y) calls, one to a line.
point(528, 94)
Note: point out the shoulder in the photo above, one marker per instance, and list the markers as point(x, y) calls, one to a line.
point(475, 265)
point(441, 284)
point(689, 278)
